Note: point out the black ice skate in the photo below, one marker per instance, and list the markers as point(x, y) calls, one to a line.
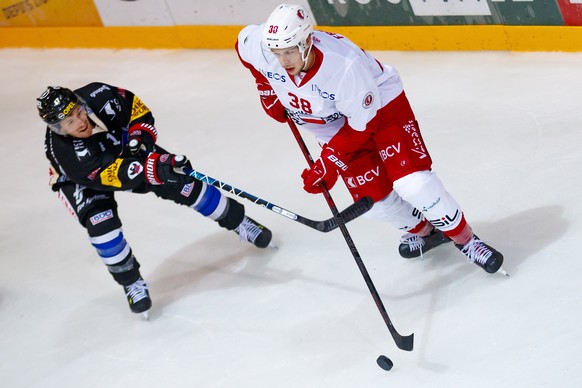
point(483, 255)
point(414, 246)
point(253, 232)
point(138, 297)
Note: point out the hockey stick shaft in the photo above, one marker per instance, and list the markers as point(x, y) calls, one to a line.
point(403, 342)
point(351, 212)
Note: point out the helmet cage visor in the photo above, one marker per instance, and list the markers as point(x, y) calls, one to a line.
point(61, 127)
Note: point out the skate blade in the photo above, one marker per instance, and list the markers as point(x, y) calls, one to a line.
point(502, 271)
point(146, 315)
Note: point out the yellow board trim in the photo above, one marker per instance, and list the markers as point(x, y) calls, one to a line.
point(492, 37)
point(44, 13)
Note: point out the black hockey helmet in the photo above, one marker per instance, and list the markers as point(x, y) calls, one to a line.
point(56, 103)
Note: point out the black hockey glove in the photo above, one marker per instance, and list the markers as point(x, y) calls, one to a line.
point(142, 137)
point(166, 169)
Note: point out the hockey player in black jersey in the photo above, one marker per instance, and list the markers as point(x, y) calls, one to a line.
point(87, 141)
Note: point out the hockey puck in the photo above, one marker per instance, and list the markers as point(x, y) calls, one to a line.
point(384, 362)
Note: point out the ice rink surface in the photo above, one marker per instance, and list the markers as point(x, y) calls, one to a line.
point(505, 133)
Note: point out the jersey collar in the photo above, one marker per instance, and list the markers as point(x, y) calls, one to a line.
point(309, 74)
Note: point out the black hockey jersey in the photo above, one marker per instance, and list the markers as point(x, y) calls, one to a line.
point(99, 161)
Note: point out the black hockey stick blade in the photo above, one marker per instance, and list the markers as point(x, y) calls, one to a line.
point(350, 213)
point(404, 342)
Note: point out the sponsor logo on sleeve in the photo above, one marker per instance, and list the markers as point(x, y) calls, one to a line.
point(138, 109)
point(110, 176)
point(101, 89)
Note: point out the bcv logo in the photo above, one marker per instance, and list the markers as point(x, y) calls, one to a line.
point(390, 151)
point(361, 180)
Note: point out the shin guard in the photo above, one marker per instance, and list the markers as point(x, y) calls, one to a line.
point(425, 191)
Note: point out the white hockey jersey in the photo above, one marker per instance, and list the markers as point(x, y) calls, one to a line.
point(344, 83)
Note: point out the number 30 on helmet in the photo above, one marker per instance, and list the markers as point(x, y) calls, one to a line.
point(288, 26)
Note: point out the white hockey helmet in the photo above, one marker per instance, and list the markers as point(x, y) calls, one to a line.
point(288, 26)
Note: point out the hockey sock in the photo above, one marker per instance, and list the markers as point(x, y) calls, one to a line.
point(422, 229)
point(116, 254)
point(462, 234)
point(233, 215)
point(210, 202)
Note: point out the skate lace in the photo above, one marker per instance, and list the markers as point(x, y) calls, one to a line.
point(414, 242)
point(476, 250)
point(247, 230)
point(137, 290)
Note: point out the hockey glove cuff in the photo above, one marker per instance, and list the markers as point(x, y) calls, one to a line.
point(324, 171)
point(142, 136)
point(270, 102)
point(166, 169)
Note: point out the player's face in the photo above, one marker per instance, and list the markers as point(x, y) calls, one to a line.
point(290, 59)
point(76, 124)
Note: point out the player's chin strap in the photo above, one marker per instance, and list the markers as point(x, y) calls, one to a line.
point(306, 55)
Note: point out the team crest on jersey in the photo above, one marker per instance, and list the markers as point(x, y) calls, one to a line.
point(368, 100)
point(134, 170)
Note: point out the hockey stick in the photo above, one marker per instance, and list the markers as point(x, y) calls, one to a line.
point(351, 212)
point(403, 342)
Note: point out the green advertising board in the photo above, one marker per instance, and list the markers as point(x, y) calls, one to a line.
point(436, 12)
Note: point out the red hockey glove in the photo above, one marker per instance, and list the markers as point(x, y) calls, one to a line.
point(325, 170)
point(161, 169)
point(142, 136)
point(270, 102)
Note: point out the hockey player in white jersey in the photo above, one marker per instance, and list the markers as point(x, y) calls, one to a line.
point(357, 109)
